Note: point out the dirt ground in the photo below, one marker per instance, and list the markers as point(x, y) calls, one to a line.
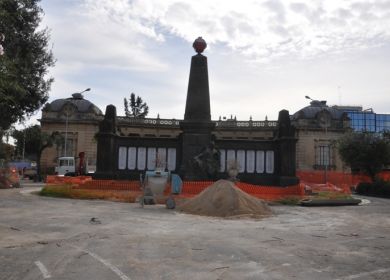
point(54, 238)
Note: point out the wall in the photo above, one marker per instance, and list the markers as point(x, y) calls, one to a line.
point(307, 141)
point(84, 133)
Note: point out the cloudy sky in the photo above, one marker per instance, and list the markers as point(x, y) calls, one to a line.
point(263, 56)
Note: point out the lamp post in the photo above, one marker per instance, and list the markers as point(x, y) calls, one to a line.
point(308, 97)
point(87, 89)
point(324, 150)
point(369, 110)
point(66, 130)
point(68, 112)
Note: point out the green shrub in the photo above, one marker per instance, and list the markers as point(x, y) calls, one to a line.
point(377, 188)
point(363, 188)
point(289, 200)
point(56, 191)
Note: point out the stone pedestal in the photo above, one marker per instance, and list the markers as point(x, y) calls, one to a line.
point(195, 140)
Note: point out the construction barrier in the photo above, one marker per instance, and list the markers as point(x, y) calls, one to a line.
point(385, 175)
point(311, 181)
point(112, 185)
point(338, 178)
point(191, 188)
point(54, 179)
point(332, 177)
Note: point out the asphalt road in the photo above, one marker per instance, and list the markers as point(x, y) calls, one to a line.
point(53, 238)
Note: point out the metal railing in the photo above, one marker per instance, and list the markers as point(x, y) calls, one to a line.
point(175, 123)
point(148, 122)
point(244, 124)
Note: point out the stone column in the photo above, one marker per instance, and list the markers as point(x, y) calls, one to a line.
point(107, 157)
point(287, 150)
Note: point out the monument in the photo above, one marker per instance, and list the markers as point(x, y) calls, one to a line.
point(197, 148)
point(198, 162)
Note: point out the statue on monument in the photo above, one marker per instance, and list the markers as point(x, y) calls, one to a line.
point(108, 124)
point(207, 162)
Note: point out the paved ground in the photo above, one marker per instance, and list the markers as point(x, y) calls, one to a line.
point(51, 238)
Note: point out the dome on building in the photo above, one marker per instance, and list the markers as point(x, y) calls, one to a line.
point(77, 102)
point(316, 107)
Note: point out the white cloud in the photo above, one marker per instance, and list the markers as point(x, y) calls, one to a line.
point(91, 39)
point(144, 46)
point(261, 30)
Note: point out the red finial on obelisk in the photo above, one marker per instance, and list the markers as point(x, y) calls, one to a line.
point(199, 45)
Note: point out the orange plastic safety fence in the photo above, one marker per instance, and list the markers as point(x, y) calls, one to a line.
point(191, 188)
point(52, 179)
point(385, 175)
point(86, 182)
point(328, 187)
point(313, 180)
point(339, 179)
point(110, 185)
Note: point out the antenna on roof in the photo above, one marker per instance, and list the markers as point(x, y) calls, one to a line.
point(339, 93)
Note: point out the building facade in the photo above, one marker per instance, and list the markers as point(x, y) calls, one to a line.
point(77, 119)
point(318, 127)
point(366, 120)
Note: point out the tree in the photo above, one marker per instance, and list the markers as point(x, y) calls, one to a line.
point(34, 141)
point(365, 151)
point(138, 108)
point(24, 62)
point(6, 151)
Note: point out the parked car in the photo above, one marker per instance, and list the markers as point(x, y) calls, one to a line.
point(30, 173)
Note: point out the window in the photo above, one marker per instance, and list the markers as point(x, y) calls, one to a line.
point(222, 161)
point(152, 158)
point(131, 159)
point(260, 161)
point(241, 160)
point(269, 162)
point(141, 159)
point(250, 161)
point(122, 156)
point(231, 156)
point(68, 150)
point(161, 160)
point(367, 121)
point(171, 159)
point(324, 156)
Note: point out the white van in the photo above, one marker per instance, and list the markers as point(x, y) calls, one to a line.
point(65, 165)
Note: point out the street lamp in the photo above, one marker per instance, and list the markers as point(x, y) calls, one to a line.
point(324, 150)
point(365, 111)
point(87, 89)
point(68, 111)
point(308, 97)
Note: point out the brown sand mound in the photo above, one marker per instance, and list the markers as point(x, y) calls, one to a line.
point(224, 199)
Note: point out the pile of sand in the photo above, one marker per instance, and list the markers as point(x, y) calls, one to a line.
point(224, 199)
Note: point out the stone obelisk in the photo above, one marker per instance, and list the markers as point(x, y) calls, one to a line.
point(197, 125)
